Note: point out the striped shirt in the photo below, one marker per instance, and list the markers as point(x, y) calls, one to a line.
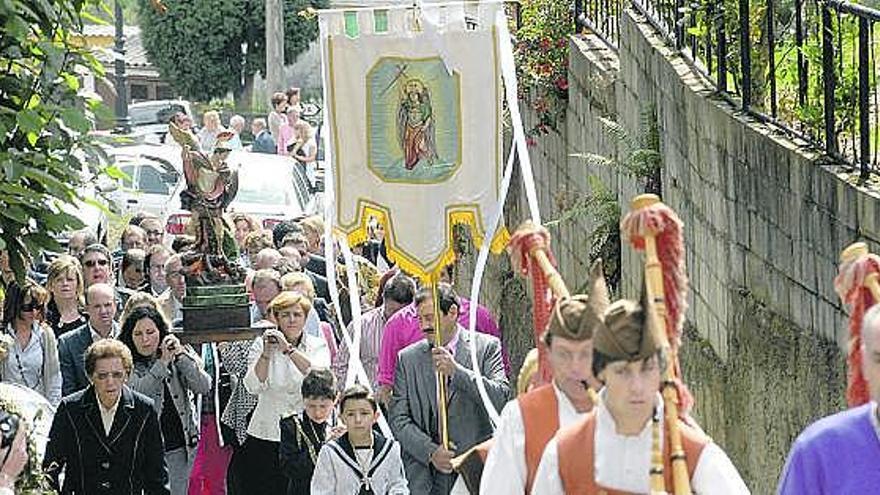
point(372, 324)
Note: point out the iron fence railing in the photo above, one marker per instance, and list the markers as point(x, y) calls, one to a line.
point(599, 16)
point(807, 66)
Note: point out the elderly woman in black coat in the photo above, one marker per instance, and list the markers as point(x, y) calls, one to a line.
point(106, 437)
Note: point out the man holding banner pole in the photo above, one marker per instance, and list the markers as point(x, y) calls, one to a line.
point(442, 362)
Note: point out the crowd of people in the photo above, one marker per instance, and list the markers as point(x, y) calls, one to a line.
point(97, 337)
point(95, 331)
point(282, 132)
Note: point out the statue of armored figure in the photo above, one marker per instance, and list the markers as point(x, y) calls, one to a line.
point(210, 187)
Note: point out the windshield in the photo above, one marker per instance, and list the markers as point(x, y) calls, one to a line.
point(272, 188)
point(155, 114)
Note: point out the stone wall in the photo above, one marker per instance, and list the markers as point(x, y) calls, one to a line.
point(765, 220)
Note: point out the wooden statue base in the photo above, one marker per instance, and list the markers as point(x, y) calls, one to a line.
point(219, 335)
point(215, 307)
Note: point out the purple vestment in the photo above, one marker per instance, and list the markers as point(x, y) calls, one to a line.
point(837, 455)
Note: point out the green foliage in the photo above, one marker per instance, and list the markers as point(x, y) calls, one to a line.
point(44, 121)
point(103, 13)
point(300, 27)
point(197, 44)
point(809, 116)
point(637, 157)
point(541, 53)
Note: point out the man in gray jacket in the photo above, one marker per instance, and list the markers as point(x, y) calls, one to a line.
point(414, 409)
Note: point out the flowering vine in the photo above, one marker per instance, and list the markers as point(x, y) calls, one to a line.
point(541, 53)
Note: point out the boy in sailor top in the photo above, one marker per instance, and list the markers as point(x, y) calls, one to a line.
point(362, 461)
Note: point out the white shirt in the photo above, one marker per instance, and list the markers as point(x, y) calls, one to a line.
point(334, 473)
point(505, 470)
point(372, 327)
point(114, 332)
point(622, 462)
point(280, 395)
point(107, 415)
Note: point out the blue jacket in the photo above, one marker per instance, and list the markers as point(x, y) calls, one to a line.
point(264, 143)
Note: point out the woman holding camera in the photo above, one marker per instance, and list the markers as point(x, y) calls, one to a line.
point(277, 363)
point(170, 374)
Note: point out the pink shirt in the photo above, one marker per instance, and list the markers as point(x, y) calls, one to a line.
point(327, 332)
point(285, 138)
point(403, 329)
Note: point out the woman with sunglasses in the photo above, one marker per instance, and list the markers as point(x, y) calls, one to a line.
point(65, 311)
point(169, 373)
point(96, 265)
point(30, 356)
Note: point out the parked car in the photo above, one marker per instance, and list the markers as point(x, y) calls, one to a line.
point(154, 172)
point(150, 118)
point(271, 188)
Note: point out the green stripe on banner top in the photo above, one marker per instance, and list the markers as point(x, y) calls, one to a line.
point(380, 21)
point(351, 24)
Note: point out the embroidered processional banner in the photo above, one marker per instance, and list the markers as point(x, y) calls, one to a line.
point(415, 120)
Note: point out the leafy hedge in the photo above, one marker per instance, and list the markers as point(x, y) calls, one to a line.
point(45, 116)
point(197, 44)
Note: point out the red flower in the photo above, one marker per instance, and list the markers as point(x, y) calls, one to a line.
point(545, 44)
point(562, 84)
point(530, 142)
point(561, 43)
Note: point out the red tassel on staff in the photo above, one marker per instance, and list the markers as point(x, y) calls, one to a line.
point(857, 286)
point(667, 228)
point(529, 249)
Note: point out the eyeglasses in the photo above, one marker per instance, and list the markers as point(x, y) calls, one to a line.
point(104, 375)
point(93, 263)
point(31, 306)
point(154, 232)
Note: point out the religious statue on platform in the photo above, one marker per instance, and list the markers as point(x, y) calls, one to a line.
point(210, 187)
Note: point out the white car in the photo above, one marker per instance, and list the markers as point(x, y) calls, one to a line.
point(154, 173)
point(150, 118)
point(271, 188)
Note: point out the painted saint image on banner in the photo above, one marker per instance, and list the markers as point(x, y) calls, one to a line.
point(413, 111)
